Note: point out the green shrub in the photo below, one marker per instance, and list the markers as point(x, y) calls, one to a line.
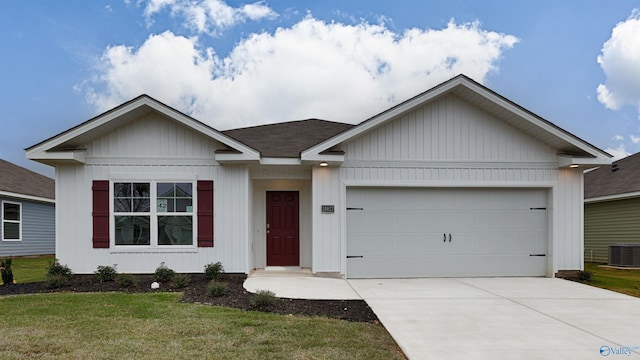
point(213, 271)
point(56, 268)
point(217, 289)
point(163, 274)
point(584, 276)
point(56, 281)
point(106, 273)
point(125, 280)
point(179, 281)
point(5, 270)
point(263, 299)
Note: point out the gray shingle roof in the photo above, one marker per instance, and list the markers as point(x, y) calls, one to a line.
point(16, 179)
point(621, 177)
point(287, 139)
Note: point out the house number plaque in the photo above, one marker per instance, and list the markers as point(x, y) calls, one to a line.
point(328, 209)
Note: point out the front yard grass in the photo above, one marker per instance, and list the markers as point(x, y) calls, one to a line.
point(27, 270)
point(626, 281)
point(158, 326)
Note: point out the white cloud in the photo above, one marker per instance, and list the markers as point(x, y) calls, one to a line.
point(209, 16)
point(634, 139)
point(313, 69)
point(618, 153)
point(617, 137)
point(620, 61)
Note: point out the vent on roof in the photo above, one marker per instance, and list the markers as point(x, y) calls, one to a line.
point(614, 168)
point(624, 255)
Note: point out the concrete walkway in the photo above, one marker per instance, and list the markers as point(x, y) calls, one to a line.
point(484, 318)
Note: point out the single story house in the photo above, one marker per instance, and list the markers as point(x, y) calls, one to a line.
point(611, 207)
point(456, 181)
point(27, 218)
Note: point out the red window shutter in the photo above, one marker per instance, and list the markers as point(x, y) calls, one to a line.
point(205, 213)
point(100, 214)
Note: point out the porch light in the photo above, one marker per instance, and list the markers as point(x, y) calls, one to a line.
point(573, 166)
point(324, 164)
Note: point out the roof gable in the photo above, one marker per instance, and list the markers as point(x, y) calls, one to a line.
point(618, 180)
point(67, 146)
point(16, 180)
point(570, 149)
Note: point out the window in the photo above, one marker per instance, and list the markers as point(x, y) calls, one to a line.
point(153, 213)
point(11, 221)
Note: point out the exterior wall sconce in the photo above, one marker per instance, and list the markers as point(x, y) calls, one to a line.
point(574, 166)
point(324, 164)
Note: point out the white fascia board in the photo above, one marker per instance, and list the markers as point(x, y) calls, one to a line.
point(328, 158)
point(311, 153)
point(73, 156)
point(27, 197)
point(612, 197)
point(280, 161)
point(234, 158)
point(582, 162)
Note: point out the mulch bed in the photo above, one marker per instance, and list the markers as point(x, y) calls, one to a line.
point(195, 292)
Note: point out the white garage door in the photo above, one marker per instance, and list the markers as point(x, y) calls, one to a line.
point(418, 232)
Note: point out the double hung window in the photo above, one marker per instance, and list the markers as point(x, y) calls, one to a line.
point(153, 214)
point(11, 221)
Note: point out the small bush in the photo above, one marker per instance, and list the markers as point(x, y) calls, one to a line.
point(216, 289)
point(263, 299)
point(7, 273)
point(163, 274)
point(584, 276)
point(125, 280)
point(56, 268)
point(56, 281)
point(213, 271)
point(179, 281)
point(106, 273)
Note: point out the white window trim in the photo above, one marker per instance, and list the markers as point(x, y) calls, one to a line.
point(19, 222)
point(153, 214)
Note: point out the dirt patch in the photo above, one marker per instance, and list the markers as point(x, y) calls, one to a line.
point(195, 292)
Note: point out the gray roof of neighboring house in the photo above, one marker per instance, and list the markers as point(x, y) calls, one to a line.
point(621, 177)
point(18, 180)
point(287, 139)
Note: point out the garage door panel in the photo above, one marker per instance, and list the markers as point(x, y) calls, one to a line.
point(409, 232)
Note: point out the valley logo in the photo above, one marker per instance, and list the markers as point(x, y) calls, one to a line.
point(606, 350)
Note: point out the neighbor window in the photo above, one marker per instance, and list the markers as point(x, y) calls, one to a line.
point(153, 213)
point(11, 221)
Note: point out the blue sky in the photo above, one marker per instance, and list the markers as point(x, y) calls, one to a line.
point(234, 64)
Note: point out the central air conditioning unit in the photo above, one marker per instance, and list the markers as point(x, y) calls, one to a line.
point(624, 255)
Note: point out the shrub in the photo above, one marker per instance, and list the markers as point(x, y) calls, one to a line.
point(163, 274)
point(217, 289)
point(125, 280)
point(213, 271)
point(7, 273)
point(56, 268)
point(179, 281)
point(56, 281)
point(106, 273)
point(584, 276)
point(263, 299)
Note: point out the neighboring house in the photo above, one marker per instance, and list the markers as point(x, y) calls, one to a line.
point(27, 218)
point(611, 207)
point(457, 181)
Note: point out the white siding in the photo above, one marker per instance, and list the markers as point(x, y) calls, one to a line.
point(328, 247)
point(568, 217)
point(153, 147)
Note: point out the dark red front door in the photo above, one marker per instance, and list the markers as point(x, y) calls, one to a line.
point(283, 239)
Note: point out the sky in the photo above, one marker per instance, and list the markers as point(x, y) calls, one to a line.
point(234, 64)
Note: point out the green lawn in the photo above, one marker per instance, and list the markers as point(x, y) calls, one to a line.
point(158, 326)
point(30, 269)
point(626, 281)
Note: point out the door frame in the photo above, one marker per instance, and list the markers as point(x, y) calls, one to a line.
point(267, 213)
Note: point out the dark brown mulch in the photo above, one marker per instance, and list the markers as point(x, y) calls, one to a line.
point(195, 292)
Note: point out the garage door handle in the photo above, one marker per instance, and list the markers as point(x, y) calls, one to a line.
point(537, 254)
point(449, 237)
point(444, 237)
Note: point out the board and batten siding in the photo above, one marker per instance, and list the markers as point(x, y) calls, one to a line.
point(449, 143)
point(152, 148)
point(607, 223)
point(38, 230)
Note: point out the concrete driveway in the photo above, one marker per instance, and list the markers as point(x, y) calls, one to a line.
point(504, 318)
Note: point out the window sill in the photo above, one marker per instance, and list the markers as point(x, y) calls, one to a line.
point(172, 249)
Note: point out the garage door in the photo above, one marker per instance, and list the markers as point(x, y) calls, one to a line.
point(418, 232)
